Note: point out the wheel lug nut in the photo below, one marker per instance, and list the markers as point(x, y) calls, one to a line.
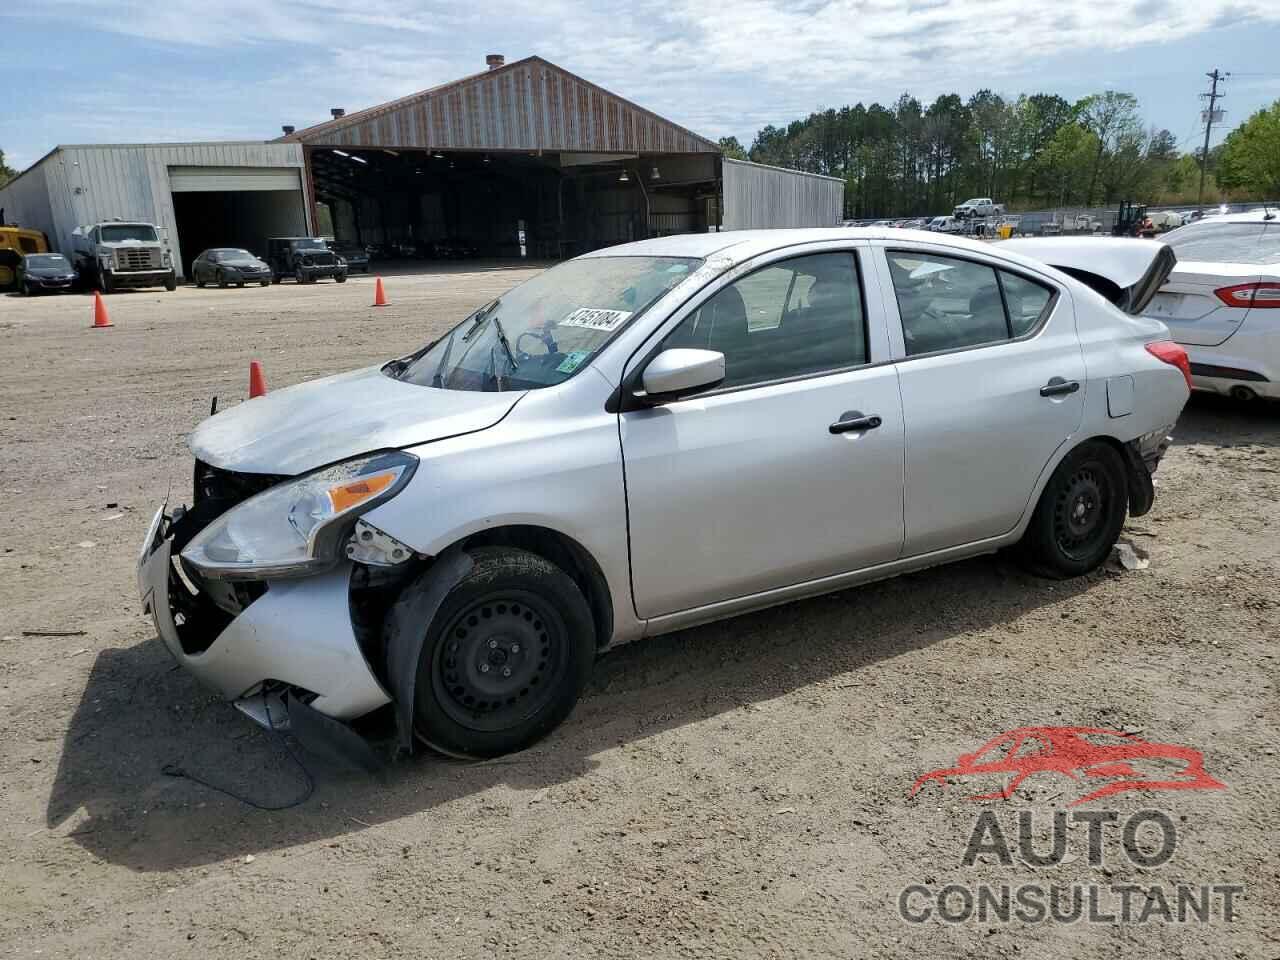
point(493, 644)
point(506, 671)
point(484, 668)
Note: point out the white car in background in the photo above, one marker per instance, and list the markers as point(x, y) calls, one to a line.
point(1222, 302)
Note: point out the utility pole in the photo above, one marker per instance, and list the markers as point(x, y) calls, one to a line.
point(1213, 97)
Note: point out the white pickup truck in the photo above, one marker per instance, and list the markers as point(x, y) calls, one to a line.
point(978, 207)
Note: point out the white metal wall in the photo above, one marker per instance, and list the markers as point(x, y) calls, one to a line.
point(25, 201)
point(758, 196)
point(85, 184)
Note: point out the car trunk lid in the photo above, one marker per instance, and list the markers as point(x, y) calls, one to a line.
point(1127, 272)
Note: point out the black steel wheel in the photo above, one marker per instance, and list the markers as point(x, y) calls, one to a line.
point(1080, 513)
point(505, 657)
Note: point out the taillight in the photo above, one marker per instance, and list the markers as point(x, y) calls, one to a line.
point(1171, 353)
point(1262, 294)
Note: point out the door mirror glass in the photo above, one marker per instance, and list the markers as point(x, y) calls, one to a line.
point(680, 371)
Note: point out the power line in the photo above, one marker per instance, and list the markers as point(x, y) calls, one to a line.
point(1214, 97)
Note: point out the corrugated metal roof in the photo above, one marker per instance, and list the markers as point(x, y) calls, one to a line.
point(527, 105)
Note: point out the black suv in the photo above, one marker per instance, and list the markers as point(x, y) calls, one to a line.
point(306, 259)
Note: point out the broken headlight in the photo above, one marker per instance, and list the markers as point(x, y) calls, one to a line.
point(297, 528)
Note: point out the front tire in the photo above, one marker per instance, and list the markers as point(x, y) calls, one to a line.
point(505, 657)
point(1080, 513)
point(221, 279)
point(171, 281)
point(340, 278)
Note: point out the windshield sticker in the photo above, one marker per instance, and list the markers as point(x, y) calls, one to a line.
point(596, 319)
point(572, 361)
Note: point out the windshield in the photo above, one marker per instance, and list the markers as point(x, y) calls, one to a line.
point(116, 232)
point(47, 260)
point(1249, 242)
point(315, 244)
point(546, 329)
point(227, 255)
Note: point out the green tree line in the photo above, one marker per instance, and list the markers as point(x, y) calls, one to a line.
point(1031, 152)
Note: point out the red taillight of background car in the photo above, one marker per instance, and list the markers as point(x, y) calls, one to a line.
point(1173, 354)
point(1260, 294)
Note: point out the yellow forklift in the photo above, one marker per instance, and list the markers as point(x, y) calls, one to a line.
point(1132, 221)
point(15, 243)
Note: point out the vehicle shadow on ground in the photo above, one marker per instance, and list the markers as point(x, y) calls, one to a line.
point(139, 711)
point(1213, 419)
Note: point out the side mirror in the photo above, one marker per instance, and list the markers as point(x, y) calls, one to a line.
point(680, 371)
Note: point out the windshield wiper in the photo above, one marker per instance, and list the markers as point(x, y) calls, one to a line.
point(506, 344)
point(481, 316)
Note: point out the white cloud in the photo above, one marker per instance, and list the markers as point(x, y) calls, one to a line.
point(716, 68)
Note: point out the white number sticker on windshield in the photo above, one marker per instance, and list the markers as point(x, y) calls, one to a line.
point(596, 319)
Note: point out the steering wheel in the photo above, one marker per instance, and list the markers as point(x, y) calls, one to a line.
point(542, 336)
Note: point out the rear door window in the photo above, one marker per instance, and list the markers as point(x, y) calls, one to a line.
point(946, 303)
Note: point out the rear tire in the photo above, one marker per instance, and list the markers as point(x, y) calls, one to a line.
point(1080, 513)
point(505, 658)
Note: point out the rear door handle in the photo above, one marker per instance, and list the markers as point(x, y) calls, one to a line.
point(1057, 387)
point(853, 420)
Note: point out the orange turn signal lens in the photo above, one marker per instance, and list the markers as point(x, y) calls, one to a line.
point(347, 495)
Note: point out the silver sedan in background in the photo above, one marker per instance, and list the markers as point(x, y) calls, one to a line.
point(1222, 302)
point(653, 436)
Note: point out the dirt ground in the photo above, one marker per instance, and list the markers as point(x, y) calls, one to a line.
point(737, 790)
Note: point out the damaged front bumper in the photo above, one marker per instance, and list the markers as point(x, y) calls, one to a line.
point(292, 644)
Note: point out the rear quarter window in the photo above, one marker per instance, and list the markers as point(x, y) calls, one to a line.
point(1227, 242)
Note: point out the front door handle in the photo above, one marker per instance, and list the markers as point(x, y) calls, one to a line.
point(1057, 387)
point(853, 420)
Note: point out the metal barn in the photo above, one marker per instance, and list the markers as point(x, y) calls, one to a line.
point(522, 159)
point(233, 194)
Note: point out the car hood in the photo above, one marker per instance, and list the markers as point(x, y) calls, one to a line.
point(311, 424)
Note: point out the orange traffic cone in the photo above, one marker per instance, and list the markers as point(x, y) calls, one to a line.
point(100, 318)
point(257, 382)
point(379, 295)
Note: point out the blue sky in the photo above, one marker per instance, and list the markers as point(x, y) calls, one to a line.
point(133, 71)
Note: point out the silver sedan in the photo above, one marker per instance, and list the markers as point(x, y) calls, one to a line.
point(652, 436)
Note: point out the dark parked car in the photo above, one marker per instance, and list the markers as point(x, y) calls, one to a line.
point(355, 255)
point(41, 272)
point(306, 259)
point(452, 248)
point(228, 265)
